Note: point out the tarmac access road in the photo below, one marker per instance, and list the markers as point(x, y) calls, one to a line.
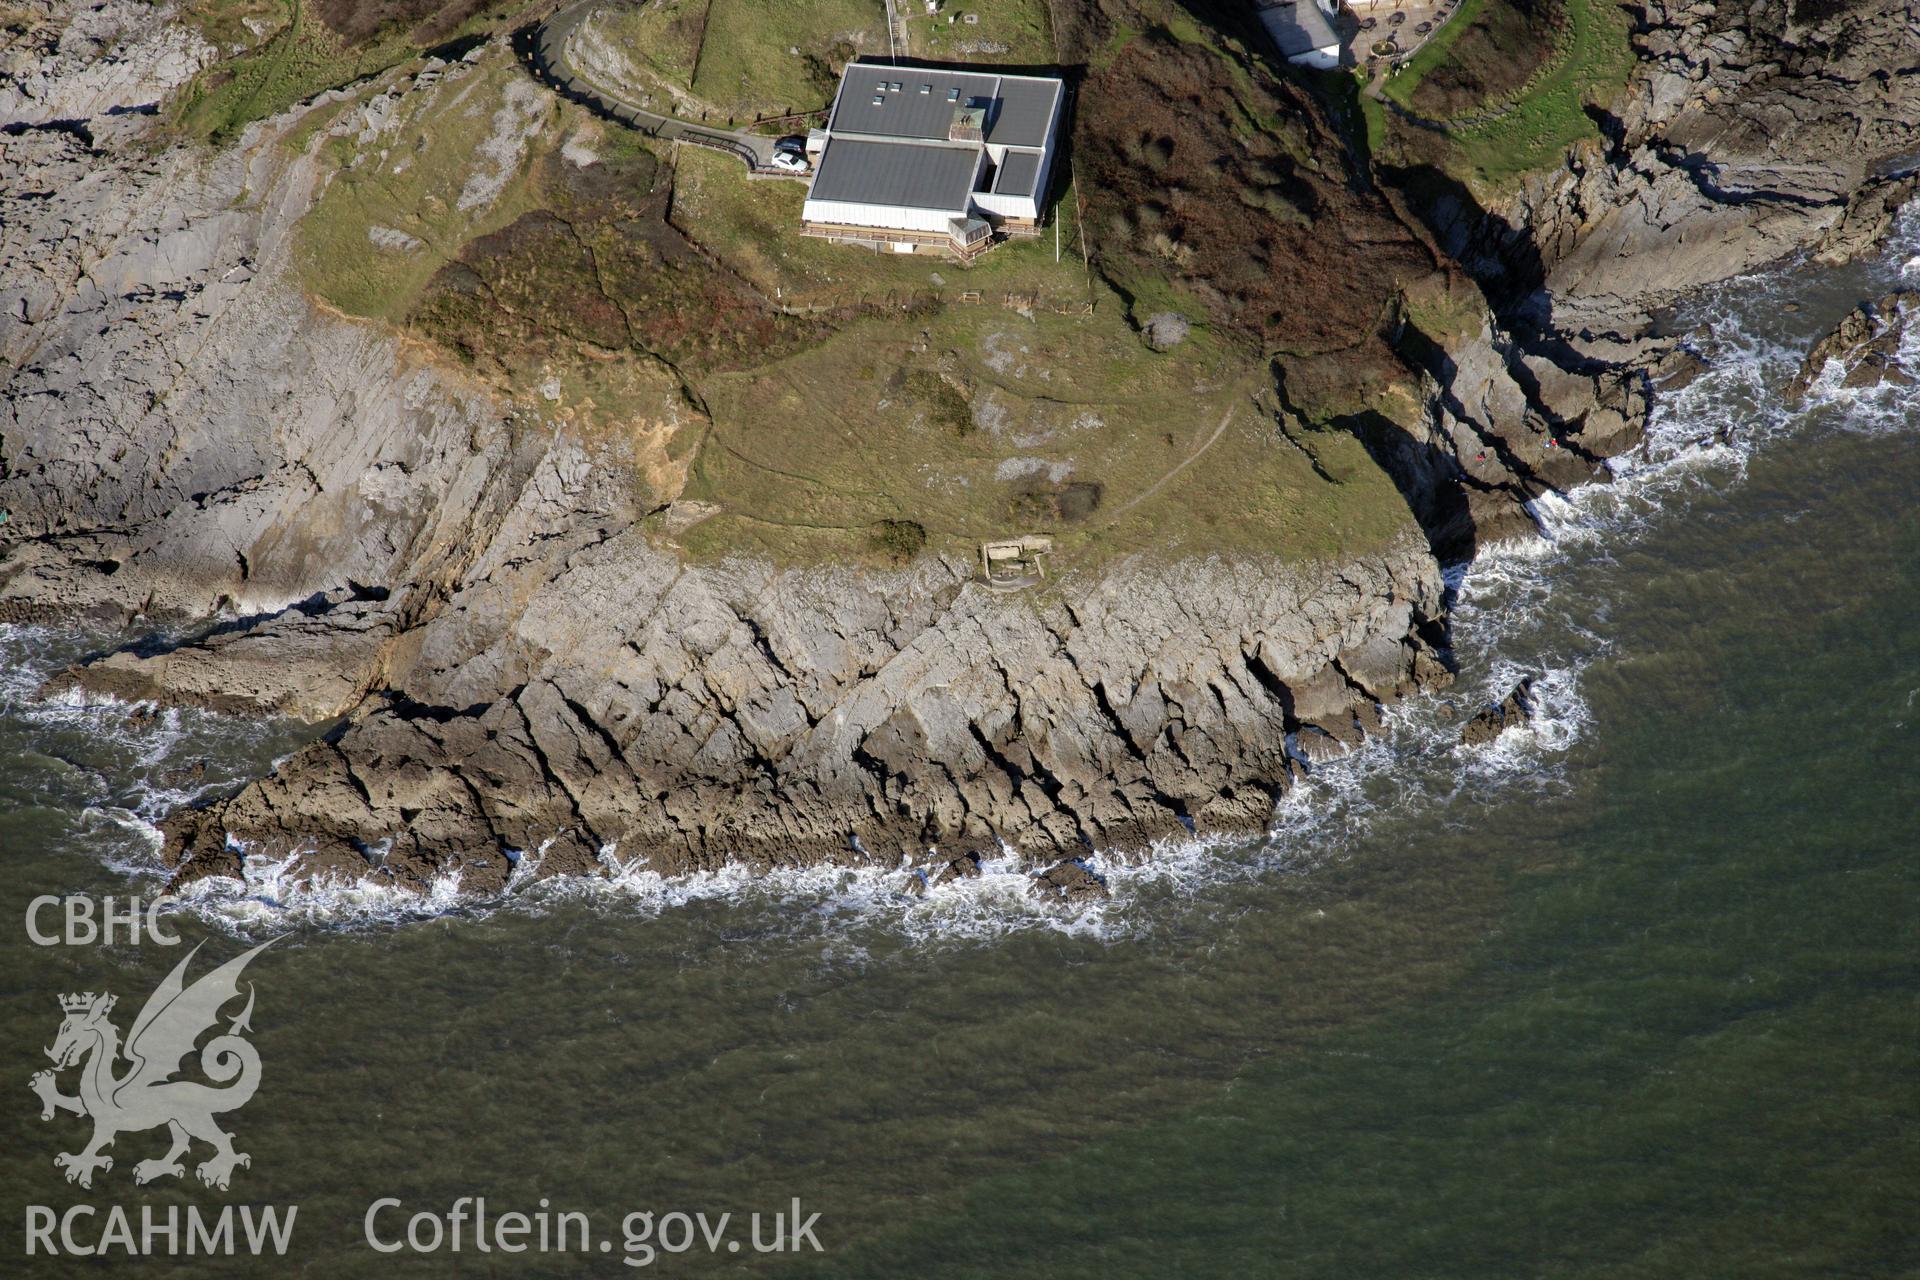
point(546, 53)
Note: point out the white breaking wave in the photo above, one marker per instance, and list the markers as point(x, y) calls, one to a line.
point(1510, 621)
point(271, 899)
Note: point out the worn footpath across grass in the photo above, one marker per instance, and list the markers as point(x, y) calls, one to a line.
point(1496, 141)
point(974, 422)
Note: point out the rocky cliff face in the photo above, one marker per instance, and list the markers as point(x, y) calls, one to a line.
point(84, 63)
point(1749, 133)
point(606, 696)
point(515, 662)
point(519, 665)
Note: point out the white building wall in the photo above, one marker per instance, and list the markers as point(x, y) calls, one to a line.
point(1030, 207)
point(1008, 206)
point(1045, 181)
point(937, 221)
point(879, 215)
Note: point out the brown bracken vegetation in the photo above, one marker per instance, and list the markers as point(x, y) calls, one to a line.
point(1205, 169)
point(600, 268)
point(1507, 41)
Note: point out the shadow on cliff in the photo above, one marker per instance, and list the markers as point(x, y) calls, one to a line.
point(1457, 510)
point(1500, 258)
point(1504, 260)
point(1428, 477)
point(157, 643)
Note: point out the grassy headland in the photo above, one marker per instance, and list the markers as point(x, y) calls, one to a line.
point(1503, 90)
point(282, 52)
point(810, 402)
point(974, 422)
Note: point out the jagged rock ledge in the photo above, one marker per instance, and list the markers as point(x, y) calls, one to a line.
point(1866, 343)
point(517, 665)
point(805, 717)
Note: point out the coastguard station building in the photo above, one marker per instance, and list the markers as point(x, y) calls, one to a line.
point(927, 159)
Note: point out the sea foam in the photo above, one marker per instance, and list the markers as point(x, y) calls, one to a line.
point(1509, 622)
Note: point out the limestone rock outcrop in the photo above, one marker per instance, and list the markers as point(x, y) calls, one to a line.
point(318, 521)
point(1749, 132)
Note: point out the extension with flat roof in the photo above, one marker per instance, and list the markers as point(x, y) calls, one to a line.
point(933, 157)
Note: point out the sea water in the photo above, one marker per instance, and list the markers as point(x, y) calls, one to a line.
point(1629, 992)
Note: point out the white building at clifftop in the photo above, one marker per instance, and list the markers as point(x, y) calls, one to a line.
point(1306, 31)
point(933, 158)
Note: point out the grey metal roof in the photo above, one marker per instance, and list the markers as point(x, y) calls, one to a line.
point(1025, 111)
point(1018, 174)
point(916, 176)
point(1298, 26)
point(922, 107)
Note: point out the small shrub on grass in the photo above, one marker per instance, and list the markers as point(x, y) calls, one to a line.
point(946, 407)
point(896, 541)
point(1045, 506)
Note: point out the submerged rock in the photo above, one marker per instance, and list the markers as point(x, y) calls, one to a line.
point(1319, 745)
point(191, 773)
point(964, 867)
point(1515, 711)
point(1679, 370)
